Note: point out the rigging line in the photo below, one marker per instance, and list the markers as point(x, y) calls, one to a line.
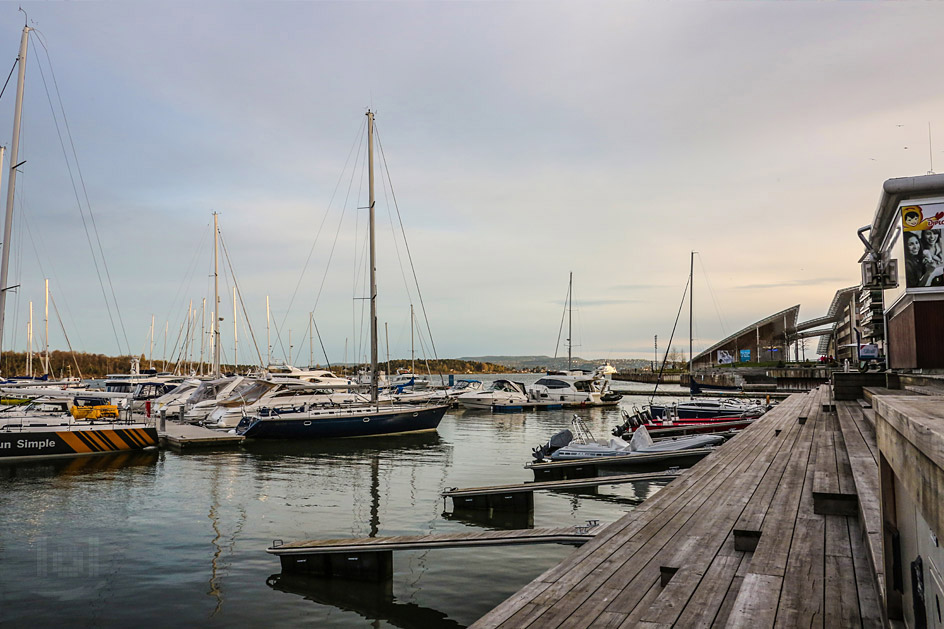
point(189, 274)
point(81, 211)
point(407, 245)
point(78, 168)
point(65, 334)
point(320, 341)
point(324, 218)
point(239, 292)
point(39, 262)
point(396, 241)
point(671, 337)
point(5, 83)
point(560, 331)
point(714, 299)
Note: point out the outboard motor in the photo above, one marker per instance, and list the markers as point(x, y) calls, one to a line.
point(556, 442)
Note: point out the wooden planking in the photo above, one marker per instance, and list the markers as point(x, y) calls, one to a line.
point(446, 540)
point(614, 580)
point(604, 562)
point(864, 465)
point(647, 551)
point(707, 599)
point(868, 584)
point(756, 602)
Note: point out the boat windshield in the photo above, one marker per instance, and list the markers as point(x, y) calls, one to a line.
point(248, 392)
point(208, 390)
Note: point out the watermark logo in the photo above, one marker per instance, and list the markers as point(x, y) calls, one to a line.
point(79, 558)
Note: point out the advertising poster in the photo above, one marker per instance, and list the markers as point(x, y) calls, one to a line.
point(725, 357)
point(922, 229)
point(745, 355)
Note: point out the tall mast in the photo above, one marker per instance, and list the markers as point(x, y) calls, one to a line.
point(203, 338)
point(268, 342)
point(235, 339)
point(570, 320)
point(216, 295)
point(29, 342)
point(373, 258)
point(11, 181)
point(151, 352)
point(691, 310)
point(46, 340)
point(412, 352)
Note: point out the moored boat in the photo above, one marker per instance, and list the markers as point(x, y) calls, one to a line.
point(362, 420)
point(566, 445)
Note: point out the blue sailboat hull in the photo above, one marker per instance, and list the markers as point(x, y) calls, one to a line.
point(344, 423)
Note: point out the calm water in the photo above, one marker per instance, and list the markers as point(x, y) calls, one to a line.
point(179, 539)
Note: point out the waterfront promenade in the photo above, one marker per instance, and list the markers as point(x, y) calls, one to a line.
point(779, 527)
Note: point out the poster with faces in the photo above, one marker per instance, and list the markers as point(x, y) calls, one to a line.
point(923, 232)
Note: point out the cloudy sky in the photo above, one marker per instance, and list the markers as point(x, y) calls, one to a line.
point(524, 141)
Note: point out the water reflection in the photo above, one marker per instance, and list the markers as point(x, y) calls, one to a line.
point(77, 466)
point(492, 519)
point(373, 601)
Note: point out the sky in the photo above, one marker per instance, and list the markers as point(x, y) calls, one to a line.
point(524, 141)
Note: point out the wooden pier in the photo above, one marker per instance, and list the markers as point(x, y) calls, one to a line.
point(780, 526)
point(371, 558)
point(520, 496)
point(186, 436)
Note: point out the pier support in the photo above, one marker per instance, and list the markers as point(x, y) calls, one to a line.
point(366, 566)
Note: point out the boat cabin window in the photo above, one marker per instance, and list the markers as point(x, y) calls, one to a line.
point(49, 407)
point(551, 383)
point(584, 386)
point(118, 387)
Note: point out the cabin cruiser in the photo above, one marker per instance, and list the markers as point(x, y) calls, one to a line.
point(565, 445)
point(321, 377)
point(573, 388)
point(277, 394)
point(708, 408)
point(408, 379)
point(501, 394)
point(434, 396)
point(202, 400)
point(175, 400)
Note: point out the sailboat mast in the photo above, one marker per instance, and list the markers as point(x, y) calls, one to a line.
point(11, 181)
point(570, 321)
point(235, 335)
point(29, 342)
point(46, 339)
point(691, 310)
point(412, 352)
point(373, 258)
point(216, 295)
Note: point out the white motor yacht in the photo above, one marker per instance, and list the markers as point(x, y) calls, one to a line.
point(276, 394)
point(501, 394)
point(573, 388)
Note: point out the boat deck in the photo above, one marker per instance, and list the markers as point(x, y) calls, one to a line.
point(181, 436)
point(776, 527)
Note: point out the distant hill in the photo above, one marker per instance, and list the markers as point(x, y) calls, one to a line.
point(545, 363)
